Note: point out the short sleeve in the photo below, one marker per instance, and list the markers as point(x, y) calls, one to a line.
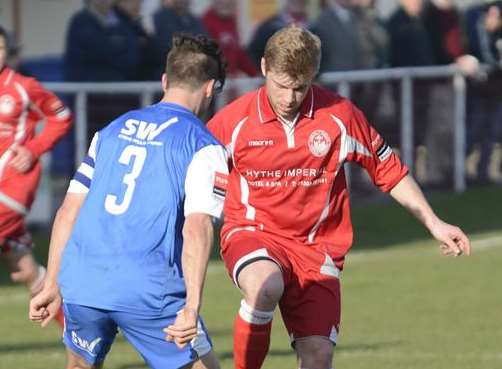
point(82, 179)
point(206, 180)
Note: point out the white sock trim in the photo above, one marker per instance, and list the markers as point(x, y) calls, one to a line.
point(253, 316)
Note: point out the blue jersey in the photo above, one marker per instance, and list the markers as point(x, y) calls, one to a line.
point(143, 174)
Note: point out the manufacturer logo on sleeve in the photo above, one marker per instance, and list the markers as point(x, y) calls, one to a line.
point(319, 143)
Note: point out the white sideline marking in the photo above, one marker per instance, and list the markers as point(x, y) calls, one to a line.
point(478, 243)
point(417, 355)
point(486, 243)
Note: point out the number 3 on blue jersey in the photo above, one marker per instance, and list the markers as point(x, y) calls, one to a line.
point(138, 155)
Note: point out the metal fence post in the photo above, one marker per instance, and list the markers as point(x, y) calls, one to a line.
point(146, 98)
point(80, 126)
point(459, 131)
point(407, 146)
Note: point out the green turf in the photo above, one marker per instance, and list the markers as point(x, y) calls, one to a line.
point(404, 306)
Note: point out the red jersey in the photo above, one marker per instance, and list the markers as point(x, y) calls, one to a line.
point(290, 182)
point(24, 103)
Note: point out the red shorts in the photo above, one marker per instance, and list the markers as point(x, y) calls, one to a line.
point(310, 305)
point(17, 192)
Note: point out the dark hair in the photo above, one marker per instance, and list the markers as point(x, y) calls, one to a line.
point(194, 60)
point(4, 34)
point(10, 43)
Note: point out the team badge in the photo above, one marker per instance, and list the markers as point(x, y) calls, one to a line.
point(319, 143)
point(7, 104)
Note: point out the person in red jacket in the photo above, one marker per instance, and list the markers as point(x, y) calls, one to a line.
point(24, 103)
point(221, 24)
point(287, 223)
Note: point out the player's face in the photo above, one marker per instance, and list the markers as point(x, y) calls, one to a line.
point(285, 94)
point(3, 52)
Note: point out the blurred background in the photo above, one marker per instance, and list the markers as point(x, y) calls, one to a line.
point(427, 74)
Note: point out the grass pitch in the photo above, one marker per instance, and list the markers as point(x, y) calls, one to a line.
point(404, 306)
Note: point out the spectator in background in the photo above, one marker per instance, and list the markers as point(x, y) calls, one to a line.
point(294, 12)
point(172, 17)
point(374, 41)
point(128, 13)
point(484, 109)
point(373, 36)
point(337, 29)
point(427, 34)
point(220, 22)
point(99, 48)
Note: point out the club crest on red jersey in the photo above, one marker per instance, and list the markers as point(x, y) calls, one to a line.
point(7, 104)
point(319, 143)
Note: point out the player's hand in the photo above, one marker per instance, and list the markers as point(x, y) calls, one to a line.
point(453, 242)
point(23, 159)
point(45, 305)
point(184, 328)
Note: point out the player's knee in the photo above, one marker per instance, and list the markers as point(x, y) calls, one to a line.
point(262, 284)
point(25, 274)
point(315, 354)
point(265, 293)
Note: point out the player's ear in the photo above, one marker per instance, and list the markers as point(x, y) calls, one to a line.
point(164, 81)
point(210, 88)
point(263, 67)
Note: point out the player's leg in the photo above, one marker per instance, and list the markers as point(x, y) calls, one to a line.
point(314, 352)
point(262, 285)
point(311, 308)
point(75, 361)
point(254, 266)
point(208, 361)
point(88, 336)
point(17, 256)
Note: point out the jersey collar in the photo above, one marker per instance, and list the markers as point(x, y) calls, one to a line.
point(265, 113)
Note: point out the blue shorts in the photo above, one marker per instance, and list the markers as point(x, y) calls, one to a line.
point(89, 332)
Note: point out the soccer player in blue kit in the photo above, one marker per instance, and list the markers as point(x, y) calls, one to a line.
point(130, 244)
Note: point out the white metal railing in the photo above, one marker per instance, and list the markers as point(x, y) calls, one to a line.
point(147, 90)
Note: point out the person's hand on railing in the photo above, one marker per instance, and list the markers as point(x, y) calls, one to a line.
point(469, 65)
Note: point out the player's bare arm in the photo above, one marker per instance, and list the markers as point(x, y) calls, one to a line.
point(453, 241)
point(197, 243)
point(45, 305)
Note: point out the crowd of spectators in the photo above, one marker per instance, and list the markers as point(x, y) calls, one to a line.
point(106, 41)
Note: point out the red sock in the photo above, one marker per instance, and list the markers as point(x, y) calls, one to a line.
point(251, 343)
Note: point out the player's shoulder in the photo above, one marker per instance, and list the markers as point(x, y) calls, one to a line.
point(331, 103)
point(27, 82)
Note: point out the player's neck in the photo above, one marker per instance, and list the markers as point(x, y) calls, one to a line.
point(188, 99)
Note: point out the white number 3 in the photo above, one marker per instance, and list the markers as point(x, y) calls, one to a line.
point(138, 154)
